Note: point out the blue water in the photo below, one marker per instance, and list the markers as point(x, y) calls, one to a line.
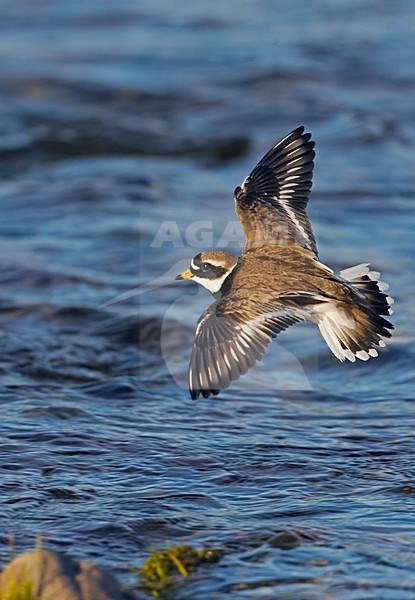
point(124, 128)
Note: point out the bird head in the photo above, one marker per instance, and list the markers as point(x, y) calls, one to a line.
point(211, 269)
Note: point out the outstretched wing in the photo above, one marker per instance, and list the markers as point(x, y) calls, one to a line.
point(271, 203)
point(229, 342)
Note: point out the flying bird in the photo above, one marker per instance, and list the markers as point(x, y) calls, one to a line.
point(279, 280)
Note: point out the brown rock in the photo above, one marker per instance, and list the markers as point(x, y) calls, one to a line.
point(96, 584)
point(55, 576)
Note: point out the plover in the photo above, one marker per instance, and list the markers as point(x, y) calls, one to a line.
point(279, 279)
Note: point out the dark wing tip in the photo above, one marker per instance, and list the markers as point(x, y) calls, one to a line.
point(194, 394)
point(205, 393)
point(299, 132)
point(295, 146)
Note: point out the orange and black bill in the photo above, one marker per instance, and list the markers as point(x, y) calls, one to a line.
point(185, 275)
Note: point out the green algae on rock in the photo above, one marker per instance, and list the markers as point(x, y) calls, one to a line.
point(165, 567)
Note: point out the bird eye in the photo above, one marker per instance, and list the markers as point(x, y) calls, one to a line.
point(205, 266)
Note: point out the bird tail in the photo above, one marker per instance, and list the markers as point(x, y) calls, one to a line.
point(352, 331)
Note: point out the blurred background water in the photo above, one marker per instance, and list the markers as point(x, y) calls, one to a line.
point(124, 128)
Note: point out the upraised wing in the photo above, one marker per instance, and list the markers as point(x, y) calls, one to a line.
point(228, 342)
point(271, 203)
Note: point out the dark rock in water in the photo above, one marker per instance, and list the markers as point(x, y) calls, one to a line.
point(54, 576)
point(285, 540)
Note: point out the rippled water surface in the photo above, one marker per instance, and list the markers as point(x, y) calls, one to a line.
point(124, 128)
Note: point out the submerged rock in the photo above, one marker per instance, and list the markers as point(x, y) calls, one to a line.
point(287, 540)
point(53, 576)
